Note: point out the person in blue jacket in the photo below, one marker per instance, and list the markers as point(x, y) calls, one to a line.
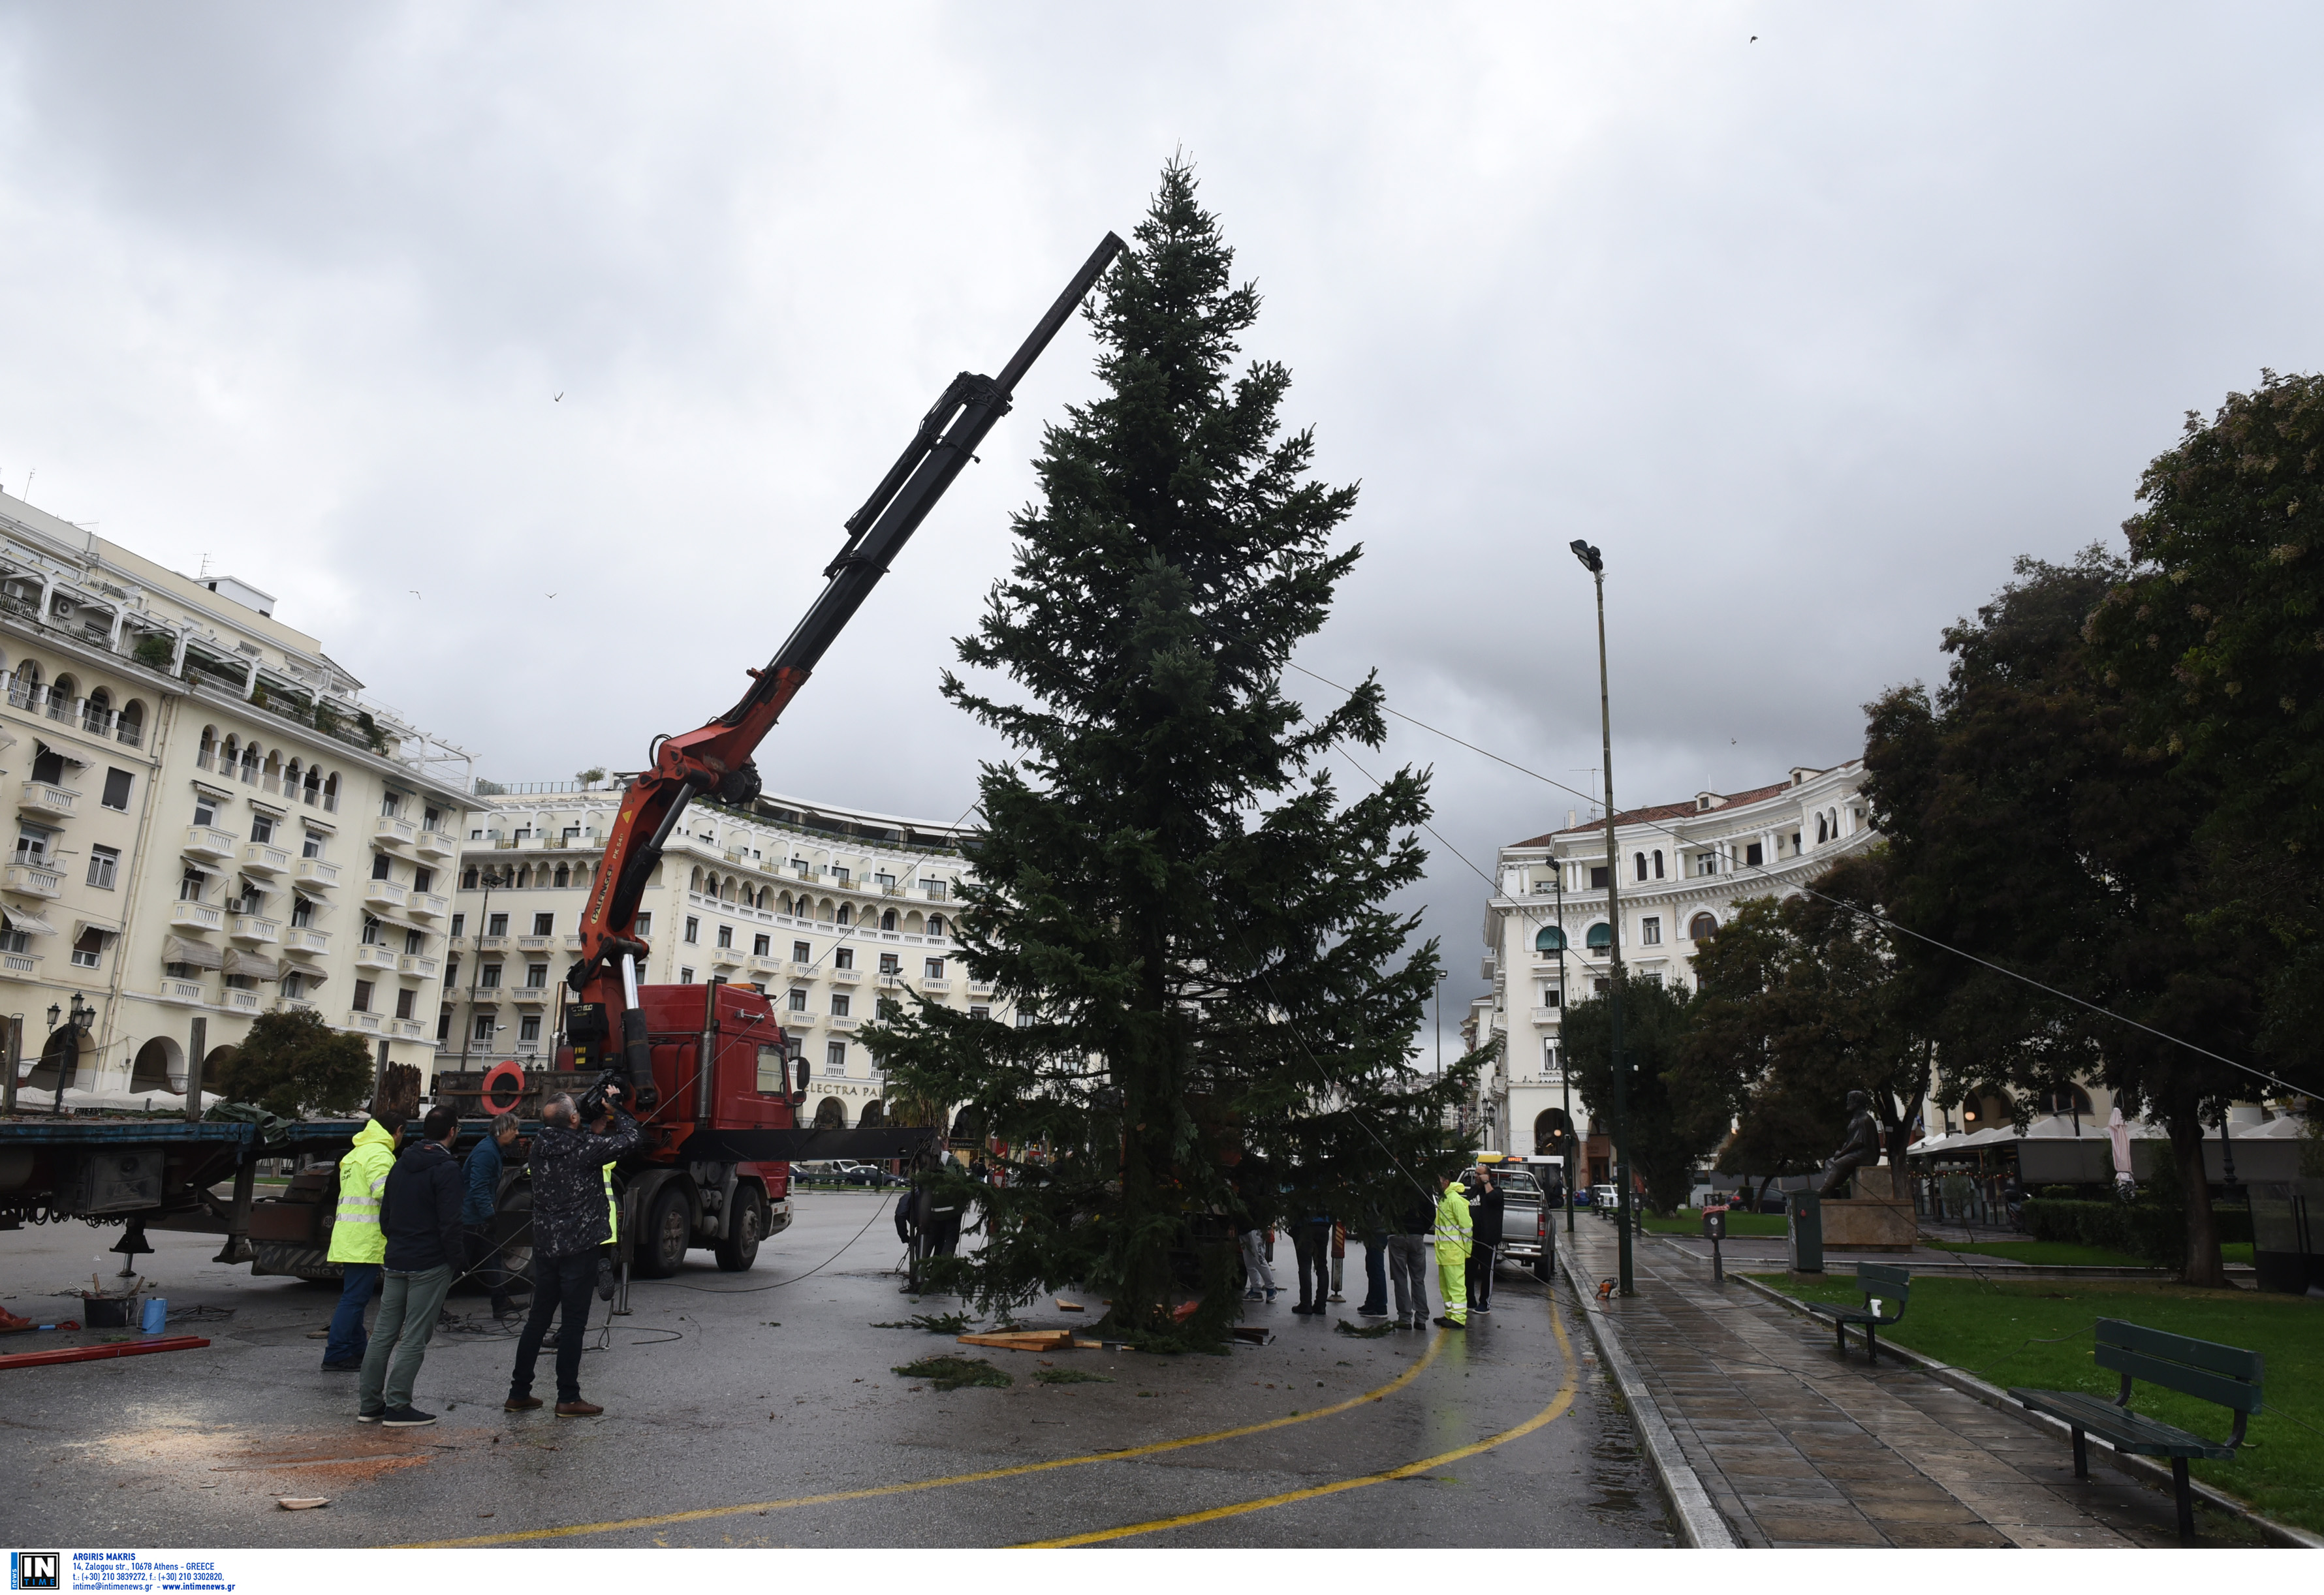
point(480, 1205)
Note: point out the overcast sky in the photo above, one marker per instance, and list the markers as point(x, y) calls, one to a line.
point(1812, 332)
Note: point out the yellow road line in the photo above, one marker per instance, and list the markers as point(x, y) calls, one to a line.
point(1558, 1406)
point(700, 1514)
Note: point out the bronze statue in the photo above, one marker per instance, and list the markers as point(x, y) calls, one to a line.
point(1861, 1148)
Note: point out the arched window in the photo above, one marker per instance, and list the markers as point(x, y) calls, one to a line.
point(468, 879)
point(1702, 928)
point(783, 903)
point(60, 697)
point(25, 692)
point(873, 1115)
point(726, 889)
point(314, 786)
point(2066, 1099)
point(129, 729)
point(830, 1113)
point(1658, 863)
point(1549, 939)
point(1638, 866)
point(249, 770)
point(935, 924)
point(331, 793)
point(693, 881)
point(846, 914)
point(1821, 837)
point(100, 705)
point(1599, 938)
point(564, 875)
point(1548, 1130)
point(888, 919)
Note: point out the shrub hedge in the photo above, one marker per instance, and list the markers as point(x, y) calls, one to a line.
point(2143, 1229)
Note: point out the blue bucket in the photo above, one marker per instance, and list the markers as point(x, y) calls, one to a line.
point(157, 1314)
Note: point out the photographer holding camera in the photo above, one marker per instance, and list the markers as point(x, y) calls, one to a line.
point(570, 1221)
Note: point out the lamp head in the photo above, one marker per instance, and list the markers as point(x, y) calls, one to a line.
point(55, 1014)
point(1590, 558)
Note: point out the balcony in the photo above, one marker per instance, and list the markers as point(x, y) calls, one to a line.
point(210, 844)
point(33, 880)
point(373, 955)
point(256, 930)
point(725, 958)
point(843, 1021)
point(301, 942)
point(979, 988)
point(485, 996)
point(240, 1001)
point(387, 894)
point(936, 891)
point(935, 986)
point(496, 941)
point(533, 996)
point(762, 964)
point(795, 1018)
point(436, 844)
point(187, 991)
point(1547, 1016)
point(47, 800)
point(315, 873)
point(264, 860)
point(297, 1005)
point(427, 905)
point(541, 944)
point(185, 914)
point(393, 831)
point(371, 1022)
point(21, 966)
point(572, 940)
point(846, 977)
point(408, 1029)
point(802, 972)
point(419, 965)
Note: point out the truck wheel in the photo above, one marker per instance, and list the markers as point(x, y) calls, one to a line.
point(741, 1247)
point(669, 1225)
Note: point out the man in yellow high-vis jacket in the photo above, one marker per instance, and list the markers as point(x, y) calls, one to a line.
point(357, 1243)
point(1452, 1239)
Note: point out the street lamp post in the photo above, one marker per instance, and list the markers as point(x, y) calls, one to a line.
point(1565, 1075)
point(68, 1055)
point(487, 879)
point(1595, 564)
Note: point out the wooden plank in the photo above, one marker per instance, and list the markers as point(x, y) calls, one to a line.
point(181, 1342)
point(2209, 1355)
point(1039, 1340)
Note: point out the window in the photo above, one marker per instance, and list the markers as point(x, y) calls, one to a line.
point(1601, 986)
point(979, 1013)
point(415, 942)
point(404, 999)
point(528, 1028)
point(1638, 866)
point(362, 997)
point(262, 826)
point(798, 1000)
point(294, 984)
point(839, 874)
point(483, 1030)
point(536, 977)
point(846, 914)
point(888, 920)
point(433, 819)
point(443, 1025)
point(389, 803)
point(888, 965)
point(312, 847)
point(1650, 932)
point(468, 879)
point(644, 923)
point(834, 1057)
point(883, 879)
point(1658, 863)
point(801, 953)
point(88, 949)
point(1755, 854)
point(117, 790)
point(497, 924)
point(933, 968)
point(1702, 928)
point(1706, 863)
point(490, 979)
point(572, 833)
point(302, 911)
point(544, 924)
point(726, 935)
point(685, 977)
point(1599, 938)
point(205, 809)
point(1551, 997)
point(1549, 939)
point(761, 946)
point(373, 934)
point(459, 925)
point(423, 878)
point(103, 862)
point(839, 1005)
point(693, 930)
point(935, 924)
point(190, 885)
point(1597, 876)
point(842, 958)
point(32, 844)
point(380, 865)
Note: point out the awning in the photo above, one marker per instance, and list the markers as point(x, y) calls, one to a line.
point(30, 924)
point(91, 922)
point(253, 965)
point(197, 953)
point(309, 979)
point(67, 754)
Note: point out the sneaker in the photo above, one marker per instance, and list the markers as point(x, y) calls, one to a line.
point(1369, 1310)
point(1481, 1307)
point(1273, 1291)
point(407, 1417)
point(578, 1409)
point(1254, 1294)
point(521, 1403)
point(355, 1367)
point(371, 1415)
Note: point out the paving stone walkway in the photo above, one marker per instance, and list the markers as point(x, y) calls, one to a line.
point(1797, 1448)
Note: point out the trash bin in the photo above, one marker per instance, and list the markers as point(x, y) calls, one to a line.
point(1803, 1230)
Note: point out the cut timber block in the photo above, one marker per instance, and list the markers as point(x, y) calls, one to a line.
point(1024, 1339)
point(1083, 1345)
point(1066, 1306)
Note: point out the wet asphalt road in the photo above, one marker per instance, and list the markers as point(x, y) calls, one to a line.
point(730, 1398)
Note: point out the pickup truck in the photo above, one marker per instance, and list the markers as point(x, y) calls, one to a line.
point(1526, 1236)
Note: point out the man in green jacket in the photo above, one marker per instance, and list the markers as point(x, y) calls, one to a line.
point(1452, 1232)
point(357, 1243)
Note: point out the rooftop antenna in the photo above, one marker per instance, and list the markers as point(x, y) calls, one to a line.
point(206, 568)
point(1591, 771)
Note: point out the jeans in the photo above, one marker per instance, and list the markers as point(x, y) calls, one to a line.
point(1256, 1275)
point(559, 1285)
point(348, 1343)
point(1408, 1270)
point(1311, 1246)
point(1375, 1274)
point(408, 1307)
point(1481, 1273)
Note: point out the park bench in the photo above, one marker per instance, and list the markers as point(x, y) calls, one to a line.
point(2227, 1375)
point(1886, 1288)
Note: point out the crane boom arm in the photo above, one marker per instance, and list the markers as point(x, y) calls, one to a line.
point(716, 758)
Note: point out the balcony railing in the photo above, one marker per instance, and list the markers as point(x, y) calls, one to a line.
point(315, 873)
point(129, 734)
point(185, 914)
point(174, 991)
point(493, 942)
point(409, 1030)
point(533, 996)
point(210, 844)
point(240, 1002)
point(846, 976)
point(388, 893)
point(429, 904)
point(359, 1020)
point(297, 1005)
point(801, 971)
point(935, 892)
point(438, 845)
point(259, 859)
point(371, 956)
point(536, 943)
point(47, 798)
point(417, 964)
point(394, 831)
point(252, 928)
point(21, 966)
point(843, 1021)
point(302, 941)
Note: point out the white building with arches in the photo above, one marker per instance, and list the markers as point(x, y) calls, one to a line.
point(826, 910)
point(210, 821)
point(1683, 868)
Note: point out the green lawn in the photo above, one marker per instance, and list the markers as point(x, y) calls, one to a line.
point(1689, 1223)
point(2036, 1332)
point(2068, 1254)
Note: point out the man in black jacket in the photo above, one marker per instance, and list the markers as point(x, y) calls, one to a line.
point(420, 1212)
point(1486, 1202)
point(569, 1223)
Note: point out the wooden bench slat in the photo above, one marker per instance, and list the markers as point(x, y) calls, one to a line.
point(2230, 1393)
point(2125, 1431)
point(2212, 1357)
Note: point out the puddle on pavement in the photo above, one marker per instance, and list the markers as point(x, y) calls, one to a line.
point(1622, 1493)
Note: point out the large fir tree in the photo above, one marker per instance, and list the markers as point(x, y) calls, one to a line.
point(1214, 1013)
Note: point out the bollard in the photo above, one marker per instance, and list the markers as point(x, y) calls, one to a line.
point(1714, 1224)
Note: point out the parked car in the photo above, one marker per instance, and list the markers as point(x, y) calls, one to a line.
point(1604, 1198)
point(870, 1174)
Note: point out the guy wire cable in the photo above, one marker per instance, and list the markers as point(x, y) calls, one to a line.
point(1858, 909)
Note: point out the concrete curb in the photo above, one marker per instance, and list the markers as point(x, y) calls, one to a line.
point(2144, 1469)
point(1700, 1525)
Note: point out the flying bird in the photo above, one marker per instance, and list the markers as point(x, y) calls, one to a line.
point(549, 595)
point(413, 591)
point(560, 398)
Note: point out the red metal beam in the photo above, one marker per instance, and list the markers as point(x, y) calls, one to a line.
point(176, 1342)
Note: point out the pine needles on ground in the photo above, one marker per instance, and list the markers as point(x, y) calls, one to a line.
point(950, 1373)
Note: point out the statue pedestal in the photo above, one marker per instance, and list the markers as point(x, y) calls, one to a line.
point(1878, 1217)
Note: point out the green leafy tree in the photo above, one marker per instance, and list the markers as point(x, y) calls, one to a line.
point(1214, 1012)
point(1675, 1113)
point(293, 1064)
point(2028, 826)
